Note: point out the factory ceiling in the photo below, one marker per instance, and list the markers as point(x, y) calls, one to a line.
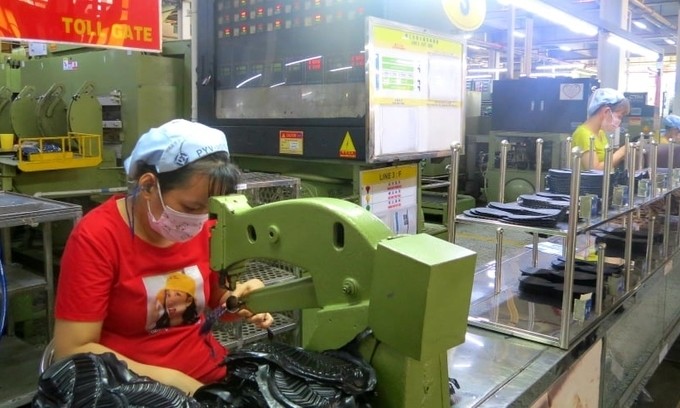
point(651, 22)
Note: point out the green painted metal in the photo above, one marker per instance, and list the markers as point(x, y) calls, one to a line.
point(412, 290)
point(22, 113)
point(84, 111)
point(133, 74)
point(5, 103)
point(51, 112)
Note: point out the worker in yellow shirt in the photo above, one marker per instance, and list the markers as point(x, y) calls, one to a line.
point(672, 124)
point(606, 110)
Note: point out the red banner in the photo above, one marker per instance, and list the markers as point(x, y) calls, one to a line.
point(127, 24)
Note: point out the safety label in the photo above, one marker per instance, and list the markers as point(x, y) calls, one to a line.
point(347, 149)
point(291, 142)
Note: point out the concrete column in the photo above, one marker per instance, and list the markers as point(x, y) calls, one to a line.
point(610, 58)
point(528, 45)
point(676, 98)
point(184, 20)
point(511, 44)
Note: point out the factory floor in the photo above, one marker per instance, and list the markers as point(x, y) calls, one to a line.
point(662, 389)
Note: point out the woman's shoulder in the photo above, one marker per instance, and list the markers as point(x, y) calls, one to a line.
point(104, 217)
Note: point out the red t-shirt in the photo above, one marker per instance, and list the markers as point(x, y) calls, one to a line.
point(151, 300)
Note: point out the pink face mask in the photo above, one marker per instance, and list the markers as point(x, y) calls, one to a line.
point(174, 225)
point(610, 126)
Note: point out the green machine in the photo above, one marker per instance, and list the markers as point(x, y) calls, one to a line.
point(413, 291)
point(117, 94)
point(520, 174)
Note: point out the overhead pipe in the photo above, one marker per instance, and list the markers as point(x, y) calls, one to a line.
point(652, 13)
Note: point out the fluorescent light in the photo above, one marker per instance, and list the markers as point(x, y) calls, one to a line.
point(565, 48)
point(631, 46)
point(279, 84)
point(557, 67)
point(543, 75)
point(483, 76)
point(340, 69)
point(557, 16)
point(248, 80)
point(304, 60)
point(669, 41)
point(518, 34)
point(640, 24)
point(487, 70)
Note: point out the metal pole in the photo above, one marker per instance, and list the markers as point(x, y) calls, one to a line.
point(667, 225)
point(567, 150)
point(631, 175)
point(626, 140)
point(591, 162)
point(568, 294)
point(599, 279)
point(453, 190)
point(608, 152)
point(654, 147)
point(641, 155)
point(504, 163)
point(650, 243)
point(499, 261)
point(539, 174)
point(671, 151)
point(632, 153)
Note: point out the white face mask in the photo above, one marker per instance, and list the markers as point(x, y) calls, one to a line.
point(174, 225)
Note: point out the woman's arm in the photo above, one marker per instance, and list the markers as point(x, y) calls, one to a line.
point(72, 337)
point(617, 158)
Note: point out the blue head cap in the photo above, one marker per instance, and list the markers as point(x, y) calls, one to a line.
point(602, 97)
point(174, 145)
point(672, 121)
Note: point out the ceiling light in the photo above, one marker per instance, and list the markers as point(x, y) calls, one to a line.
point(559, 66)
point(487, 70)
point(518, 34)
point(631, 47)
point(483, 76)
point(669, 41)
point(640, 24)
point(565, 48)
point(555, 15)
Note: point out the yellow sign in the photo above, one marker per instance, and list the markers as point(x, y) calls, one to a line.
point(467, 15)
point(291, 142)
point(347, 149)
point(389, 174)
point(392, 38)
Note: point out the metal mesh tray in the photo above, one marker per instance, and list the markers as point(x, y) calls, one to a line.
point(227, 333)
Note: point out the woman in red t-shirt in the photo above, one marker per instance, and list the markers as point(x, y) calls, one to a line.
point(135, 275)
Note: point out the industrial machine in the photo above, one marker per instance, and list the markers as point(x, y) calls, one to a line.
point(116, 94)
point(290, 83)
point(412, 291)
point(520, 175)
point(524, 110)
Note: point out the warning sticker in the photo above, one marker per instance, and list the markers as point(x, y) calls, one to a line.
point(347, 150)
point(291, 142)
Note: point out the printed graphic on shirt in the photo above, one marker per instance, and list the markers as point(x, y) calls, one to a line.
point(174, 299)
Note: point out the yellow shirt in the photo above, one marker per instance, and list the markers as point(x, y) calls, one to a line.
point(581, 138)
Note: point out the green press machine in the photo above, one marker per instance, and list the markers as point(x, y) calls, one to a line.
point(413, 291)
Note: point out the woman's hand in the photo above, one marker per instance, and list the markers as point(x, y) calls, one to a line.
point(261, 320)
